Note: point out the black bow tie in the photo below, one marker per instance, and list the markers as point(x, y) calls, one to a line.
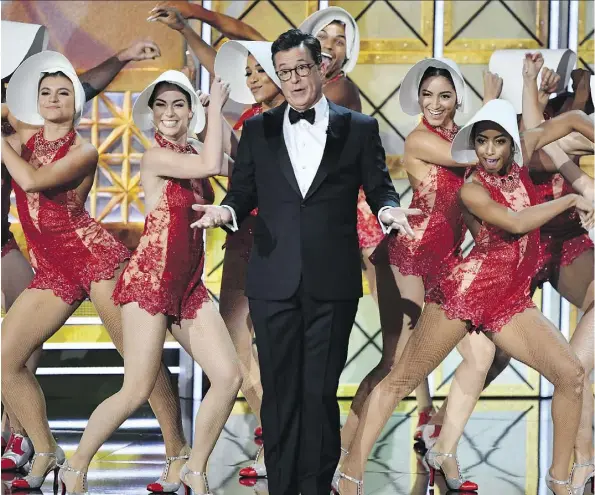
point(308, 115)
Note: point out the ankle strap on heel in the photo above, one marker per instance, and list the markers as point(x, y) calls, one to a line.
point(203, 475)
point(359, 483)
point(584, 464)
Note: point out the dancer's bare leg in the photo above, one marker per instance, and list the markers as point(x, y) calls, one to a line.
point(370, 272)
point(233, 306)
point(532, 339)
point(477, 351)
point(499, 364)
point(16, 276)
point(400, 299)
point(435, 336)
point(21, 336)
point(163, 400)
point(575, 283)
point(144, 335)
point(207, 340)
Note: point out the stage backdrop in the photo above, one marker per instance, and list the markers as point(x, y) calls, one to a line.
point(394, 34)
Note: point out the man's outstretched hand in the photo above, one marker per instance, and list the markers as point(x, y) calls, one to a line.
point(396, 218)
point(214, 216)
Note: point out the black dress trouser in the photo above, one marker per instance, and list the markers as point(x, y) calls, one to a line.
point(302, 349)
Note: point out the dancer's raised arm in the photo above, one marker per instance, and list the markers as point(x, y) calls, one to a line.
point(232, 28)
point(534, 102)
point(95, 80)
point(173, 19)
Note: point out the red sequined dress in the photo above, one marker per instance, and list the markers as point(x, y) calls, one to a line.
point(493, 283)
point(563, 239)
point(440, 230)
point(164, 274)
point(242, 240)
point(8, 241)
point(67, 248)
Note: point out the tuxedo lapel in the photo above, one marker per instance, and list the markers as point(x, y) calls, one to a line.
point(273, 129)
point(337, 131)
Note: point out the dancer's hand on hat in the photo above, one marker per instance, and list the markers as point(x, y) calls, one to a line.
point(188, 11)
point(396, 218)
point(140, 50)
point(214, 216)
point(532, 64)
point(219, 92)
point(169, 16)
point(492, 86)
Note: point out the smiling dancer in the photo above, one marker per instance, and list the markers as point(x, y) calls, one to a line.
point(51, 181)
point(16, 272)
point(499, 199)
point(162, 285)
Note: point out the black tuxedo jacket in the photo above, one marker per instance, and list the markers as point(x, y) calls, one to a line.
point(312, 239)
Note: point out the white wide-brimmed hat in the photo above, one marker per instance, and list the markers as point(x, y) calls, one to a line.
point(322, 18)
point(23, 88)
point(230, 66)
point(20, 40)
point(508, 64)
point(142, 113)
point(499, 111)
point(409, 92)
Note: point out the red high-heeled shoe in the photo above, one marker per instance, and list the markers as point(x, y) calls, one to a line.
point(19, 451)
point(256, 470)
point(258, 432)
point(422, 420)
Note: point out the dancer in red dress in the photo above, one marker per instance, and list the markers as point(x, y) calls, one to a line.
point(73, 256)
point(162, 286)
point(16, 272)
point(563, 238)
point(248, 68)
point(435, 87)
point(480, 294)
point(567, 259)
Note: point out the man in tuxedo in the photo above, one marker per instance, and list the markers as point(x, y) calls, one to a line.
point(302, 164)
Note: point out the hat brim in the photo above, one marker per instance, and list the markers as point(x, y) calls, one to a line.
point(142, 114)
point(499, 111)
point(322, 18)
point(409, 92)
point(22, 90)
point(508, 64)
point(21, 40)
point(230, 66)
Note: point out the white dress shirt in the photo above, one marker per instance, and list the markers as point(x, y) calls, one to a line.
point(305, 144)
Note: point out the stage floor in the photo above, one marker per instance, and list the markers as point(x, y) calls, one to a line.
point(506, 450)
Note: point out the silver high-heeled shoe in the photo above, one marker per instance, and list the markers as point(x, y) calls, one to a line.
point(337, 478)
point(337, 474)
point(186, 471)
point(549, 481)
point(67, 468)
point(163, 486)
point(579, 490)
point(458, 483)
point(31, 482)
